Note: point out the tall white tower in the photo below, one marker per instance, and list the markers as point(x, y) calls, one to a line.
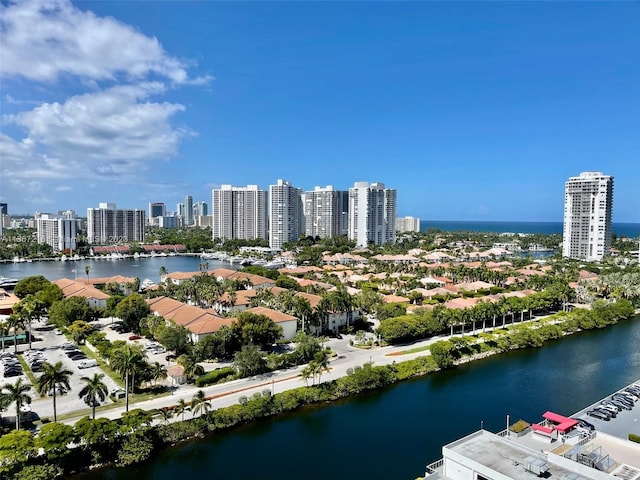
point(588, 202)
point(372, 214)
point(286, 215)
point(239, 212)
point(324, 211)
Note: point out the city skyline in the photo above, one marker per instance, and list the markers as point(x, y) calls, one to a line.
point(472, 111)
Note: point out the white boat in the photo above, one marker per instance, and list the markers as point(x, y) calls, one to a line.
point(6, 282)
point(147, 283)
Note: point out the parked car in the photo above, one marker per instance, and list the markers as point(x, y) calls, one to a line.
point(584, 424)
point(88, 363)
point(599, 415)
point(57, 331)
point(135, 337)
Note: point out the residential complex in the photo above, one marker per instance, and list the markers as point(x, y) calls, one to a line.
point(108, 224)
point(286, 214)
point(407, 224)
point(372, 214)
point(588, 202)
point(239, 212)
point(57, 230)
point(326, 212)
point(157, 209)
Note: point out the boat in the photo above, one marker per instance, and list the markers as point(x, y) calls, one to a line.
point(6, 282)
point(147, 283)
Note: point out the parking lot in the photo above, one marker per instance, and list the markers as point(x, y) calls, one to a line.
point(50, 347)
point(624, 423)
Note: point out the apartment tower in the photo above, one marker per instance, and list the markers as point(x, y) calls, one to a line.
point(588, 202)
point(59, 231)
point(325, 212)
point(286, 214)
point(372, 214)
point(188, 211)
point(108, 224)
point(239, 212)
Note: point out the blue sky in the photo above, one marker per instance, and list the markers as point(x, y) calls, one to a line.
point(471, 110)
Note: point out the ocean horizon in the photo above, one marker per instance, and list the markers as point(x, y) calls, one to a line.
point(631, 230)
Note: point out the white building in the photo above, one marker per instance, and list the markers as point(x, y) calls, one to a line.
point(325, 212)
point(239, 212)
point(286, 214)
point(588, 202)
point(110, 225)
point(58, 231)
point(372, 214)
point(407, 224)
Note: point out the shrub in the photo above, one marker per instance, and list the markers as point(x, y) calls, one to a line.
point(519, 426)
point(215, 376)
point(634, 438)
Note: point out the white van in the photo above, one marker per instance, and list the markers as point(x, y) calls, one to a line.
point(88, 363)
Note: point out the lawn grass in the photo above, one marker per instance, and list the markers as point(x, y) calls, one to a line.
point(27, 371)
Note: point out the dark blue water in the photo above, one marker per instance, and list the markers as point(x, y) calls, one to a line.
point(394, 433)
point(630, 230)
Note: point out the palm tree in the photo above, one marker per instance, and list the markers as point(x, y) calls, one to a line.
point(4, 331)
point(199, 403)
point(191, 367)
point(14, 322)
point(320, 363)
point(54, 378)
point(181, 407)
point(157, 372)
point(94, 391)
point(166, 414)
point(17, 393)
point(126, 360)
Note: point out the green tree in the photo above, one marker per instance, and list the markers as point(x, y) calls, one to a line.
point(53, 439)
point(37, 472)
point(53, 378)
point(80, 330)
point(16, 448)
point(69, 310)
point(255, 329)
point(442, 353)
point(181, 407)
point(18, 393)
point(93, 392)
point(30, 286)
point(131, 310)
point(249, 361)
point(174, 337)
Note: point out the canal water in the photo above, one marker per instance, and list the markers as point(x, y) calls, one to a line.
point(392, 434)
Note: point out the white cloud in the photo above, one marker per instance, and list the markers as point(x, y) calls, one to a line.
point(104, 133)
point(45, 40)
point(63, 188)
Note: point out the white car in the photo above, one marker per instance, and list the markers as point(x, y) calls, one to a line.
point(57, 331)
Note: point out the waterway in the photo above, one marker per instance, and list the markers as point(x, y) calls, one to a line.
point(145, 267)
point(394, 433)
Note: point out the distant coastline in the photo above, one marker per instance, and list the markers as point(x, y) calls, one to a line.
point(631, 230)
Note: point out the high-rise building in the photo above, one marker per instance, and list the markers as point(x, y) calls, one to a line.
point(4, 209)
point(57, 230)
point(239, 212)
point(407, 224)
point(372, 214)
point(325, 212)
point(200, 209)
point(588, 202)
point(157, 209)
point(286, 214)
point(188, 211)
point(110, 225)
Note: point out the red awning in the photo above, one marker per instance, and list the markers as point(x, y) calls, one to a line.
point(563, 423)
point(541, 429)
